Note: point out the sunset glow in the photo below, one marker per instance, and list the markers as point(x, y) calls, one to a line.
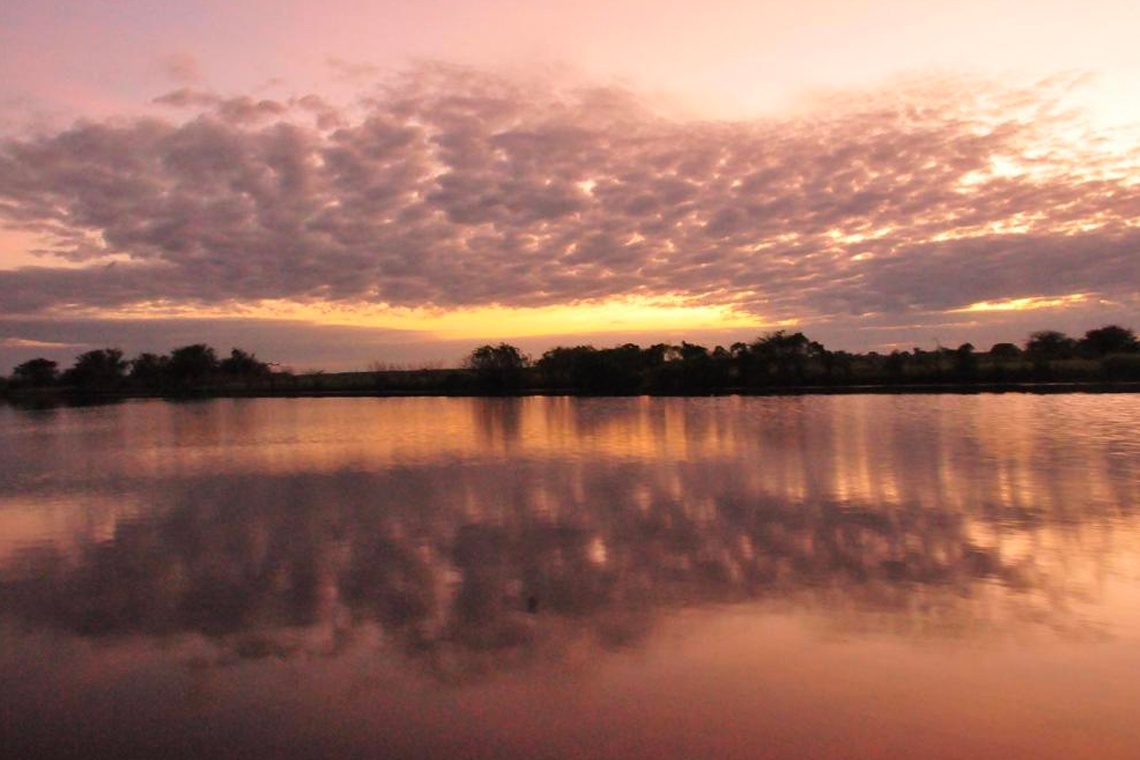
point(639, 379)
point(456, 187)
point(1027, 304)
point(612, 315)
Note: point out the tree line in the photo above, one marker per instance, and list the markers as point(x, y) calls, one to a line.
point(106, 369)
point(783, 359)
point(775, 360)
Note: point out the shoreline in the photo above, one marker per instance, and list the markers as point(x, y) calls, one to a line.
point(1041, 388)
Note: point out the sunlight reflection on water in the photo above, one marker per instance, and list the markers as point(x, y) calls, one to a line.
point(794, 577)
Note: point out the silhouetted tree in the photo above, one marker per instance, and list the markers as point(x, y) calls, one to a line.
point(692, 352)
point(788, 354)
point(1050, 344)
point(687, 367)
point(103, 368)
point(1113, 353)
point(965, 363)
point(240, 364)
point(1005, 351)
point(837, 366)
point(657, 354)
point(780, 343)
point(149, 370)
point(1003, 356)
point(1122, 366)
point(1110, 339)
point(35, 373)
point(626, 365)
point(192, 364)
point(499, 368)
point(623, 369)
point(557, 365)
point(895, 365)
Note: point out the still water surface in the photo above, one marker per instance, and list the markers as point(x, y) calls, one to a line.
point(815, 577)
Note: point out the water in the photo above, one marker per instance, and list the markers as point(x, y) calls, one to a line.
point(815, 577)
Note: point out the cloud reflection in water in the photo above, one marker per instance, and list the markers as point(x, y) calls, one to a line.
point(478, 535)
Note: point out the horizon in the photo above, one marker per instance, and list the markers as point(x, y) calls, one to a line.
point(532, 357)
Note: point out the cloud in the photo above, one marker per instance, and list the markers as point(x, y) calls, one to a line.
point(31, 343)
point(230, 110)
point(451, 187)
point(188, 97)
point(613, 544)
point(180, 67)
point(352, 70)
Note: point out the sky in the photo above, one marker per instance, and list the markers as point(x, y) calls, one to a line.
point(340, 184)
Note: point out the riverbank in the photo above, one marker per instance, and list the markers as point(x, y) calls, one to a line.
point(72, 395)
point(776, 364)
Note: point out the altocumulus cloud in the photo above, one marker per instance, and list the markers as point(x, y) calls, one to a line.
point(451, 187)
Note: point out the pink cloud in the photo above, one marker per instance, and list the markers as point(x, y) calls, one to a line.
point(457, 188)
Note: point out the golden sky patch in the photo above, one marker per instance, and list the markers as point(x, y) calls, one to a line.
point(1026, 304)
point(630, 314)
